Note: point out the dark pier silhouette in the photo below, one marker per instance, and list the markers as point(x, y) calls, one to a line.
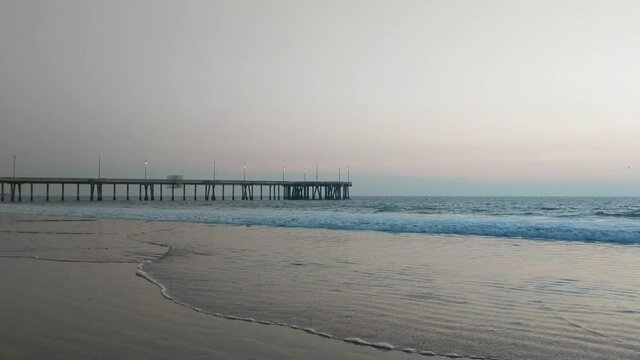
point(175, 189)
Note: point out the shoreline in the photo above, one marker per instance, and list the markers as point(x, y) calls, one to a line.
point(95, 287)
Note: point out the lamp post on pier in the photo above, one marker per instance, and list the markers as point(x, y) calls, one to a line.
point(99, 166)
point(338, 174)
point(14, 165)
point(283, 170)
point(145, 169)
point(214, 170)
point(244, 171)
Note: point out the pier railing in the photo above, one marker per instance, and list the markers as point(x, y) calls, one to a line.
point(152, 189)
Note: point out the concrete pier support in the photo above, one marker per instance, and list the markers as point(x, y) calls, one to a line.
point(247, 192)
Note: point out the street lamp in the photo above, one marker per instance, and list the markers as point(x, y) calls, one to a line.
point(283, 170)
point(305, 175)
point(316, 172)
point(214, 170)
point(145, 169)
point(14, 165)
point(98, 167)
point(244, 171)
point(338, 174)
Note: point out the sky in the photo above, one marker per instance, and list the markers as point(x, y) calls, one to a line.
point(415, 97)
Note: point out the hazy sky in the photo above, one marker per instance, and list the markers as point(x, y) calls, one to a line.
point(417, 97)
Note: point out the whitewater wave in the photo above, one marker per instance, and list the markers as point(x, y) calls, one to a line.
point(609, 230)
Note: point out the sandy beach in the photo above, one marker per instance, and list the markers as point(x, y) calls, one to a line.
point(71, 292)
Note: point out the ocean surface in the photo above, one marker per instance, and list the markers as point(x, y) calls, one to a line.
point(485, 277)
point(585, 219)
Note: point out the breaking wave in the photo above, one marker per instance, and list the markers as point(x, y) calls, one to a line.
point(621, 227)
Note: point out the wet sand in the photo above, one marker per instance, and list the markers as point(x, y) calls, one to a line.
point(70, 291)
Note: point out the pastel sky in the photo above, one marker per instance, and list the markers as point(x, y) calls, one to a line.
point(416, 97)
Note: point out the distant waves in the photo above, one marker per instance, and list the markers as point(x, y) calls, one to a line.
point(372, 215)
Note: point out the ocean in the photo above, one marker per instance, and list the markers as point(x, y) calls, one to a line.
point(479, 277)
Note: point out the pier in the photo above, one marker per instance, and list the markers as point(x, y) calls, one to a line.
point(22, 188)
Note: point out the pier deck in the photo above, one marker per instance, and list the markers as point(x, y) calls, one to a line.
point(150, 189)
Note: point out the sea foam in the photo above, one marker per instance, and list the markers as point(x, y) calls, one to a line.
point(588, 228)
